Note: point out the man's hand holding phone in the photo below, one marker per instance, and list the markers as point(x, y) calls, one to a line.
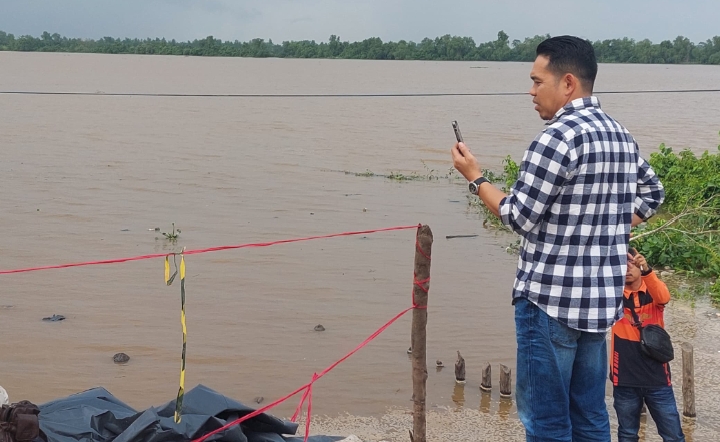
point(466, 163)
point(463, 160)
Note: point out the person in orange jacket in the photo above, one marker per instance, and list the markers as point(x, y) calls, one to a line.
point(637, 378)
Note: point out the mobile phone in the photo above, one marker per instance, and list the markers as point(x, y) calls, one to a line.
point(458, 135)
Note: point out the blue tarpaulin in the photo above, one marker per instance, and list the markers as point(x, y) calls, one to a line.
point(96, 415)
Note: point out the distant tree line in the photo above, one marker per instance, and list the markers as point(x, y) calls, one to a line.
point(625, 50)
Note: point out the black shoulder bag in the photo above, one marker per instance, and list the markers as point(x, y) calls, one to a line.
point(654, 340)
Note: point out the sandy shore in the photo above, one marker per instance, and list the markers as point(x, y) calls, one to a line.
point(453, 425)
point(696, 322)
point(468, 425)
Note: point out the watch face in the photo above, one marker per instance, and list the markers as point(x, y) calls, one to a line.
point(473, 188)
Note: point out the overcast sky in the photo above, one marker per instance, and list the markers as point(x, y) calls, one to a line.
point(359, 19)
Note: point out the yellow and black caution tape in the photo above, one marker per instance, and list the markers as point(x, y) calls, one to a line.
point(168, 280)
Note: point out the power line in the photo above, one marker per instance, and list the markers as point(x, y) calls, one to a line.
point(378, 95)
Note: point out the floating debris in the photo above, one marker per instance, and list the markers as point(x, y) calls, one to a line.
point(258, 399)
point(54, 318)
point(459, 236)
point(439, 363)
point(319, 327)
point(120, 358)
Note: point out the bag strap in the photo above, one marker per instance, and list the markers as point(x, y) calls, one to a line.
point(637, 323)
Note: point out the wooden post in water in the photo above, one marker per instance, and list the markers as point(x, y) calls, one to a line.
point(505, 381)
point(421, 285)
point(688, 386)
point(486, 383)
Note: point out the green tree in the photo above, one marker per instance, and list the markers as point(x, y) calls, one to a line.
point(446, 47)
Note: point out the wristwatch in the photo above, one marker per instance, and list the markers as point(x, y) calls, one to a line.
point(474, 186)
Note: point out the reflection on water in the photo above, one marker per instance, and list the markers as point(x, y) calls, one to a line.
point(458, 395)
point(505, 407)
point(488, 401)
point(688, 426)
point(485, 401)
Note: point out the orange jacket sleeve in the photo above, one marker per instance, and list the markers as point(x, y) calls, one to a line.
point(657, 289)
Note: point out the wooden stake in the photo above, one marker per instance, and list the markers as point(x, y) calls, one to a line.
point(460, 369)
point(486, 383)
point(688, 386)
point(505, 381)
point(423, 251)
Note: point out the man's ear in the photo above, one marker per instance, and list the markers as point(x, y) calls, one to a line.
point(570, 83)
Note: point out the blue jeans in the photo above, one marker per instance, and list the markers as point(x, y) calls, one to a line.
point(628, 402)
point(561, 375)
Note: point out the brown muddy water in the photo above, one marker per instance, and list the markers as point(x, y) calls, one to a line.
point(85, 177)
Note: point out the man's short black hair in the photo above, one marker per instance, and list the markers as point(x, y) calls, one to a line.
point(568, 54)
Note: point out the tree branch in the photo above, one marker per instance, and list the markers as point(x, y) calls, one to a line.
point(704, 205)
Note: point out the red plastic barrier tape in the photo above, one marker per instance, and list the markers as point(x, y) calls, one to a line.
point(211, 249)
point(307, 388)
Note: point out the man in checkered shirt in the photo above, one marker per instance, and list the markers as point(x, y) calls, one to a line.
point(582, 185)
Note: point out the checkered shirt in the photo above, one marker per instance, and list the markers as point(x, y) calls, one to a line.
point(580, 182)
